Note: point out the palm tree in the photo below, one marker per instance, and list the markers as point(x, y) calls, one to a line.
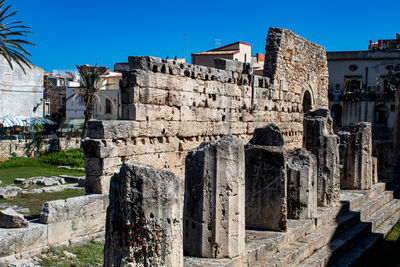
point(91, 81)
point(11, 44)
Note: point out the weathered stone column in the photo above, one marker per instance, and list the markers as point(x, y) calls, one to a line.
point(302, 184)
point(214, 225)
point(144, 218)
point(266, 180)
point(357, 159)
point(319, 139)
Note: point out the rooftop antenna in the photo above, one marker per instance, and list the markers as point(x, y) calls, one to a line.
point(217, 42)
point(187, 47)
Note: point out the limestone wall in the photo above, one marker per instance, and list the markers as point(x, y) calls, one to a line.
point(8, 148)
point(175, 106)
point(68, 221)
point(296, 65)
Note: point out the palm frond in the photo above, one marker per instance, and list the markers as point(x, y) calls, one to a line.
point(11, 48)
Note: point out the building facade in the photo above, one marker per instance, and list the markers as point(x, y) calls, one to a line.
point(107, 104)
point(237, 51)
point(359, 88)
point(21, 94)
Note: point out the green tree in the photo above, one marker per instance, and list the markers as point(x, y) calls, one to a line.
point(11, 38)
point(91, 81)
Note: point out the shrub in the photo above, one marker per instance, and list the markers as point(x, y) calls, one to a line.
point(72, 157)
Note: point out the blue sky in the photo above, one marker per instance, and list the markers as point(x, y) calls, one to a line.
point(69, 32)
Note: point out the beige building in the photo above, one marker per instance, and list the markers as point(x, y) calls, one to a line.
point(237, 51)
point(109, 105)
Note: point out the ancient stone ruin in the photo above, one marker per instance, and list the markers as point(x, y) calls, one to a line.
point(302, 180)
point(220, 167)
point(171, 108)
point(357, 159)
point(144, 218)
point(320, 140)
point(266, 180)
point(214, 225)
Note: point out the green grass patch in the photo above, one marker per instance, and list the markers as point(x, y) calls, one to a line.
point(34, 202)
point(87, 255)
point(46, 165)
point(384, 253)
point(7, 176)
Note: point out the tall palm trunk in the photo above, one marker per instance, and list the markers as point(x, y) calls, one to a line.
point(88, 115)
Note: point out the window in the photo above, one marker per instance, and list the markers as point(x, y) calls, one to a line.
point(353, 67)
point(108, 106)
point(352, 84)
point(380, 115)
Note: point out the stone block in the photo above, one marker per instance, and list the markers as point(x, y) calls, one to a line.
point(99, 148)
point(214, 224)
point(269, 135)
point(265, 188)
point(112, 129)
point(229, 65)
point(93, 166)
point(357, 159)
point(97, 184)
point(9, 218)
point(144, 218)
point(35, 236)
point(319, 139)
point(59, 231)
point(302, 184)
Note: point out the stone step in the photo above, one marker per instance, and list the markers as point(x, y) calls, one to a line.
point(369, 207)
point(305, 246)
point(330, 223)
point(380, 233)
point(348, 241)
point(333, 227)
point(350, 200)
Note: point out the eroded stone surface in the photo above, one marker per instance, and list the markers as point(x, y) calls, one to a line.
point(319, 139)
point(269, 135)
point(9, 191)
point(374, 170)
point(9, 218)
point(144, 218)
point(302, 184)
point(214, 224)
point(265, 188)
point(357, 159)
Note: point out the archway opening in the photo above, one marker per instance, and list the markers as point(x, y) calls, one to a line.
point(307, 102)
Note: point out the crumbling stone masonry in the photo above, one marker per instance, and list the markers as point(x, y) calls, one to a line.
point(301, 168)
point(320, 140)
point(177, 106)
point(266, 181)
point(144, 218)
point(214, 225)
point(357, 159)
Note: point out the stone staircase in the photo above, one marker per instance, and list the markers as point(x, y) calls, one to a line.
point(364, 217)
point(337, 237)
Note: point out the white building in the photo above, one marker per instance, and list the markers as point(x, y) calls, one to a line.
point(359, 89)
point(21, 94)
point(109, 106)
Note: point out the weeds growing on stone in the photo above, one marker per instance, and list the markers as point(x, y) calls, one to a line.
point(90, 254)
